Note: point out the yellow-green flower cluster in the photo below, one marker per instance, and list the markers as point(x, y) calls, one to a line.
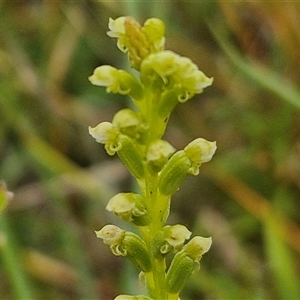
point(136, 136)
point(174, 72)
point(166, 78)
point(136, 40)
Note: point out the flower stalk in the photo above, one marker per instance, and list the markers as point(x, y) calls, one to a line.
point(136, 136)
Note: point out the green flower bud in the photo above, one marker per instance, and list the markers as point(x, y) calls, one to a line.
point(155, 29)
point(129, 297)
point(199, 151)
point(129, 123)
point(130, 207)
point(158, 154)
point(117, 81)
point(174, 173)
point(125, 243)
point(130, 156)
point(179, 272)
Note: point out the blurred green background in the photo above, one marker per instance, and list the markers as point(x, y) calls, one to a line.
point(247, 198)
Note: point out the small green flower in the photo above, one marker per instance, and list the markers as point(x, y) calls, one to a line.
point(117, 28)
point(108, 134)
point(186, 262)
point(184, 162)
point(125, 243)
point(163, 64)
point(105, 76)
point(117, 81)
point(111, 235)
point(104, 132)
point(175, 237)
point(129, 123)
point(158, 154)
point(199, 151)
point(130, 207)
point(197, 246)
point(127, 149)
point(176, 72)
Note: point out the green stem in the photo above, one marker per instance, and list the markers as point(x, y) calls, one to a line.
point(160, 279)
point(156, 280)
point(149, 109)
point(157, 205)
